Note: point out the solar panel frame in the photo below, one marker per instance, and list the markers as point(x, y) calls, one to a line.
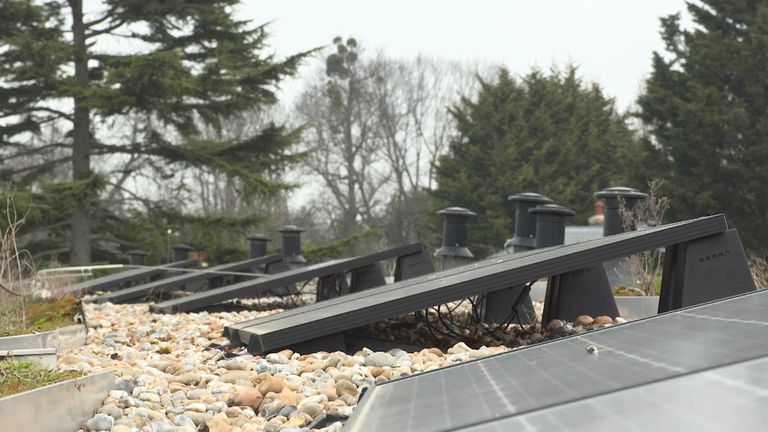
point(251, 288)
point(358, 309)
point(113, 281)
point(178, 281)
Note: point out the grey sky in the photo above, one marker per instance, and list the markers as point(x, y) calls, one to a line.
point(611, 40)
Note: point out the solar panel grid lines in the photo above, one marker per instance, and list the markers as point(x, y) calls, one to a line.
point(683, 311)
point(178, 281)
point(253, 287)
point(509, 386)
point(721, 398)
point(114, 281)
point(402, 297)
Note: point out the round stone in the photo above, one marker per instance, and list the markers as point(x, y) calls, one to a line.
point(584, 320)
point(235, 376)
point(312, 409)
point(100, 422)
point(287, 411)
point(196, 407)
point(346, 388)
point(274, 385)
point(276, 358)
point(341, 411)
point(248, 396)
point(184, 421)
point(380, 359)
point(555, 325)
point(162, 427)
point(269, 409)
point(111, 410)
point(603, 320)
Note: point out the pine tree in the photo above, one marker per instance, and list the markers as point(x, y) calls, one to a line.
point(706, 106)
point(552, 134)
point(172, 66)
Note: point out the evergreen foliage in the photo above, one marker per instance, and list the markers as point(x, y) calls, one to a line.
point(546, 133)
point(190, 65)
point(706, 106)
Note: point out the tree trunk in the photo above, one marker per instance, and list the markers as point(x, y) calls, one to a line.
point(351, 210)
point(81, 140)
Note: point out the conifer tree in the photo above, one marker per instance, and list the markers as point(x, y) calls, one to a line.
point(174, 66)
point(706, 107)
point(546, 133)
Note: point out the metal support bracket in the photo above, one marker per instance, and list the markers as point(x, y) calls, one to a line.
point(367, 277)
point(500, 305)
point(331, 286)
point(279, 267)
point(584, 291)
point(413, 265)
point(703, 270)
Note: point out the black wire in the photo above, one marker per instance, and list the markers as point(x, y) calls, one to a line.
point(447, 327)
point(429, 327)
point(441, 332)
point(514, 313)
point(295, 298)
point(475, 301)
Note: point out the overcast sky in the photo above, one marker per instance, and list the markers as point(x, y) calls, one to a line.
point(610, 40)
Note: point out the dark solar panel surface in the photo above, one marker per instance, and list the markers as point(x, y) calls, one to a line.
point(726, 398)
point(358, 309)
point(513, 389)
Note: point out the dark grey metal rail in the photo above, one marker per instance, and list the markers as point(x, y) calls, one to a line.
point(312, 322)
point(182, 280)
point(118, 280)
point(412, 260)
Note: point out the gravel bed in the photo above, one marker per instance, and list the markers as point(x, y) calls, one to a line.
point(176, 374)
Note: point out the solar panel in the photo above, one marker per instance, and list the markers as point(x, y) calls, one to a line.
point(118, 280)
point(724, 398)
point(338, 315)
point(182, 280)
point(545, 386)
point(421, 264)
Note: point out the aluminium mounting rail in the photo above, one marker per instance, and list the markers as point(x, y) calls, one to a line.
point(187, 279)
point(310, 324)
point(412, 260)
point(119, 280)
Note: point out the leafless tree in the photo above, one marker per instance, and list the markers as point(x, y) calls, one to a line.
point(216, 193)
point(375, 128)
point(341, 136)
point(412, 100)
